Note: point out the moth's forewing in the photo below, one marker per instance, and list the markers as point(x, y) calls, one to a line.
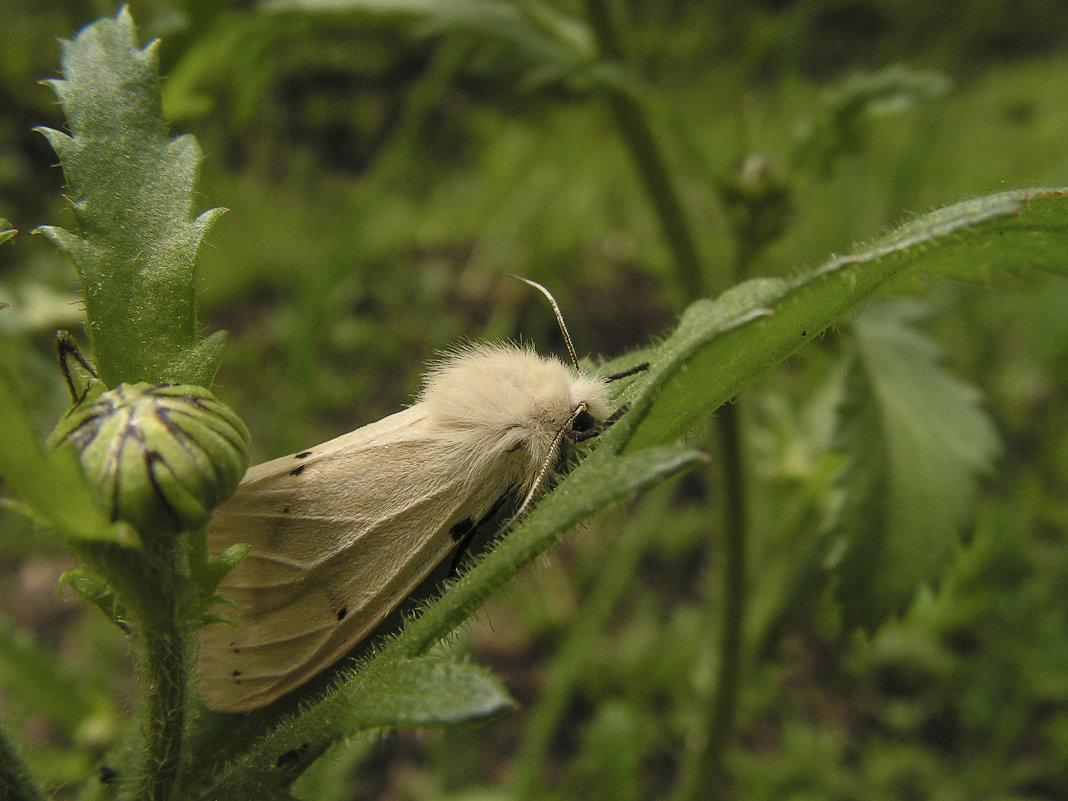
point(339, 536)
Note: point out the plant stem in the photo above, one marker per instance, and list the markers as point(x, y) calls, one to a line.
point(703, 768)
point(147, 584)
point(704, 763)
point(633, 123)
point(16, 783)
point(163, 651)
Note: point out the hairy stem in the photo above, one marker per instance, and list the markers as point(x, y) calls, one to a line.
point(146, 584)
point(16, 782)
point(163, 651)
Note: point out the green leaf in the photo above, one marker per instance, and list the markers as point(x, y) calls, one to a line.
point(92, 587)
point(721, 345)
point(917, 441)
point(388, 694)
point(425, 693)
point(130, 188)
point(846, 112)
point(49, 483)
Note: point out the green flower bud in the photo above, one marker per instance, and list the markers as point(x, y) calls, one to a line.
point(160, 457)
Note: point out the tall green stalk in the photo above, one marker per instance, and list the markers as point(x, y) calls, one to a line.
point(703, 766)
point(147, 584)
point(633, 123)
point(164, 656)
point(704, 762)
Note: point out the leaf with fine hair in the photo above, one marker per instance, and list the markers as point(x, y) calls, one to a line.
point(130, 188)
point(389, 693)
point(720, 345)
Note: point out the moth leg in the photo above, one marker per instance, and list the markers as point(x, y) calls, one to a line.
point(463, 533)
point(622, 410)
point(582, 436)
point(590, 433)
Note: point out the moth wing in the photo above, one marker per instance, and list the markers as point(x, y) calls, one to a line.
point(338, 537)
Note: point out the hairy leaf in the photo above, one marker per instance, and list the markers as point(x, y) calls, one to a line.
point(721, 345)
point(388, 694)
point(601, 480)
point(130, 188)
point(16, 782)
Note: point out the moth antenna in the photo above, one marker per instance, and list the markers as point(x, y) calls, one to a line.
point(556, 311)
point(546, 465)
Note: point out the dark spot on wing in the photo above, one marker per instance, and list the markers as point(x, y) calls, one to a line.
point(236, 673)
point(303, 454)
point(296, 471)
point(285, 510)
point(342, 612)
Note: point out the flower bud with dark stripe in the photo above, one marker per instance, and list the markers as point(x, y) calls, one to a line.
point(159, 457)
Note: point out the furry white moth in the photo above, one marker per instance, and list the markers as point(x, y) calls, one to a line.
point(342, 533)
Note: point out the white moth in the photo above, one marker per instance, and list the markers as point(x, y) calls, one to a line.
point(342, 533)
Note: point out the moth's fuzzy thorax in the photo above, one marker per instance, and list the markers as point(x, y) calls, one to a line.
point(506, 397)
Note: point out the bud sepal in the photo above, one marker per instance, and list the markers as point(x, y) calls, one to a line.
point(160, 457)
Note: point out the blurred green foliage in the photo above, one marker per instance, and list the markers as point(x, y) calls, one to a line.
point(381, 177)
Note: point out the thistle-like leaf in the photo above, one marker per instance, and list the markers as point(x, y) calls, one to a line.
point(917, 441)
point(130, 188)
